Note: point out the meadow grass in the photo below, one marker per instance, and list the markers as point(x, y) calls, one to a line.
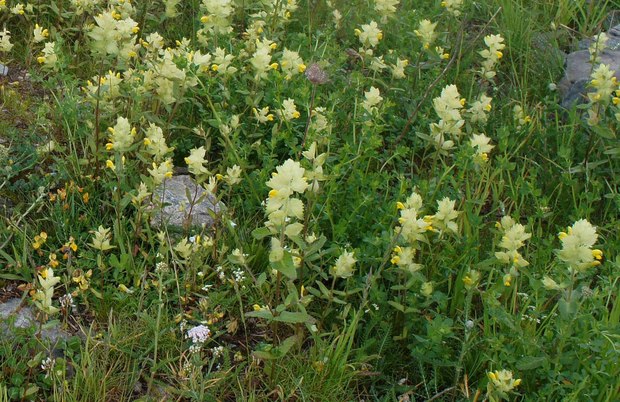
point(407, 211)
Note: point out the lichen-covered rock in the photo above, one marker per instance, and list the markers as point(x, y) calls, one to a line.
point(184, 203)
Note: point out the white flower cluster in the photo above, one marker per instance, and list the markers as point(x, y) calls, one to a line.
point(198, 334)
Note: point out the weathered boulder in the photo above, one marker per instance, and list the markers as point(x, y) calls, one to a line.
point(184, 203)
point(573, 86)
point(24, 317)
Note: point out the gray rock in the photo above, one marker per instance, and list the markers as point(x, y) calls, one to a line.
point(25, 318)
point(574, 85)
point(200, 209)
point(613, 43)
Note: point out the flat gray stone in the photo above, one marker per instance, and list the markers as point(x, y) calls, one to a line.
point(179, 211)
point(25, 317)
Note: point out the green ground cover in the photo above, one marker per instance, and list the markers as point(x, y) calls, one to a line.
point(407, 213)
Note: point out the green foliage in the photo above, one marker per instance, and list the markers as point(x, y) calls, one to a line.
point(391, 194)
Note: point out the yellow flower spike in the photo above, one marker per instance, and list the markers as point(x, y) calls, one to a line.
point(597, 254)
point(400, 205)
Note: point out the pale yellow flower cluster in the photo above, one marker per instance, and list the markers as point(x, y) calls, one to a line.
point(453, 7)
point(501, 382)
point(261, 59)
point(289, 110)
point(426, 33)
point(5, 41)
point(343, 268)
point(114, 35)
point(39, 34)
point(48, 57)
point(386, 8)
point(492, 55)
point(482, 146)
point(291, 64)
point(372, 98)
point(411, 231)
point(596, 47)
point(288, 180)
point(43, 296)
point(284, 210)
point(577, 243)
point(218, 14)
point(513, 238)
point(448, 107)
point(369, 35)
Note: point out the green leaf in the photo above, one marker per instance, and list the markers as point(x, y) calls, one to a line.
point(397, 306)
point(286, 266)
point(260, 354)
point(286, 345)
point(530, 362)
point(293, 317)
point(265, 314)
point(261, 233)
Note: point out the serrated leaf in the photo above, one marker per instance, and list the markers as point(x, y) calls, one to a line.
point(261, 233)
